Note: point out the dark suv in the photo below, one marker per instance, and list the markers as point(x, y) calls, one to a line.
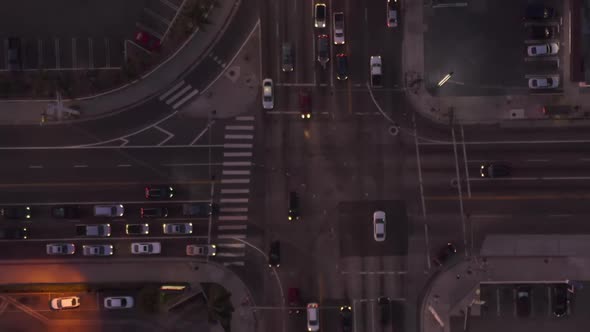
point(342, 66)
point(154, 212)
point(542, 32)
point(538, 12)
point(494, 170)
point(16, 212)
point(293, 206)
point(560, 299)
point(274, 255)
point(14, 54)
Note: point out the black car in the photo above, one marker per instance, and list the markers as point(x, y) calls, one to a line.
point(137, 229)
point(538, 12)
point(200, 209)
point(159, 192)
point(385, 308)
point(444, 254)
point(542, 32)
point(342, 67)
point(494, 170)
point(154, 212)
point(14, 54)
point(274, 255)
point(14, 233)
point(346, 318)
point(323, 49)
point(16, 212)
point(523, 301)
point(66, 212)
point(560, 300)
point(293, 206)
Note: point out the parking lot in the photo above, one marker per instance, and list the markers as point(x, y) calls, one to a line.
point(79, 36)
point(499, 310)
point(485, 45)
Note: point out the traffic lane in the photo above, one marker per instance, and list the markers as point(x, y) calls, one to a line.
point(550, 204)
point(172, 246)
point(526, 224)
point(115, 176)
point(111, 157)
point(55, 229)
point(87, 192)
point(134, 118)
point(228, 45)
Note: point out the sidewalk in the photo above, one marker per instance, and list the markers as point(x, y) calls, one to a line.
point(521, 110)
point(29, 112)
point(454, 289)
point(168, 269)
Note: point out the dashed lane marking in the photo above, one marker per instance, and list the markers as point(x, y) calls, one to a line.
point(232, 227)
point(224, 181)
point(233, 200)
point(235, 191)
point(237, 154)
point(233, 218)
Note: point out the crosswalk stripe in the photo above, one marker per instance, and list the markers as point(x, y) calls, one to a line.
point(233, 218)
point(235, 191)
point(239, 127)
point(233, 200)
point(231, 236)
point(178, 94)
point(245, 118)
point(238, 146)
point(224, 227)
point(231, 245)
point(240, 263)
point(239, 136)
point(235, 172)
point(228, 254)
point(223, 181)
point(184, 100)
point(236, 163)
point(238, 209)
point(237, 154)
point(169, 92)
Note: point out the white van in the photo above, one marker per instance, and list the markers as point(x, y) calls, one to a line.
point(109, 210)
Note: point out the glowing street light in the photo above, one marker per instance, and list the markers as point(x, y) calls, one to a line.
point(445, 79)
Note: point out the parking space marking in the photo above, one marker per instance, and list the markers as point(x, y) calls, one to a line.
point(57, 62)
point(156, 16)
point(498, 301)
point(5, 52)
point(40, 53)
point(90, 53)
point(74, 59)
point(107, 52)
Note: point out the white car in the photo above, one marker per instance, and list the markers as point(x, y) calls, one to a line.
point(146, 248)
point(338, 26)
point(204, 250)
point(391, 14)
point(268, 102)
point(68, 302)
point(379, 226)
point(118, 302)
point(320, 15)
point(313, 317)
point(97, 250)
point(546, 82)
point(543, 49)
point(180, 228)
point(60, 249)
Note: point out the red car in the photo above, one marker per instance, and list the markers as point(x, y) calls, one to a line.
point(305, 104)
point(295, 302)
point(147, 41)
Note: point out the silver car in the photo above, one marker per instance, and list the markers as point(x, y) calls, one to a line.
point(267, 94)
point(146, 248)
point(545, 82)
point(97, 250)
point(379, 226)
point(180, 228)
point(60, 249)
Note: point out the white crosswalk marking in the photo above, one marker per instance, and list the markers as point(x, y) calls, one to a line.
point(232, 222)
point(182, 91)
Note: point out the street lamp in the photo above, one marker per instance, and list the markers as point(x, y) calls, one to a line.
point(445, 79)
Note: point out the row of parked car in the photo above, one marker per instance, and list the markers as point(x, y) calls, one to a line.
point(137, 248)
point(111, 302)
point(542, 29)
